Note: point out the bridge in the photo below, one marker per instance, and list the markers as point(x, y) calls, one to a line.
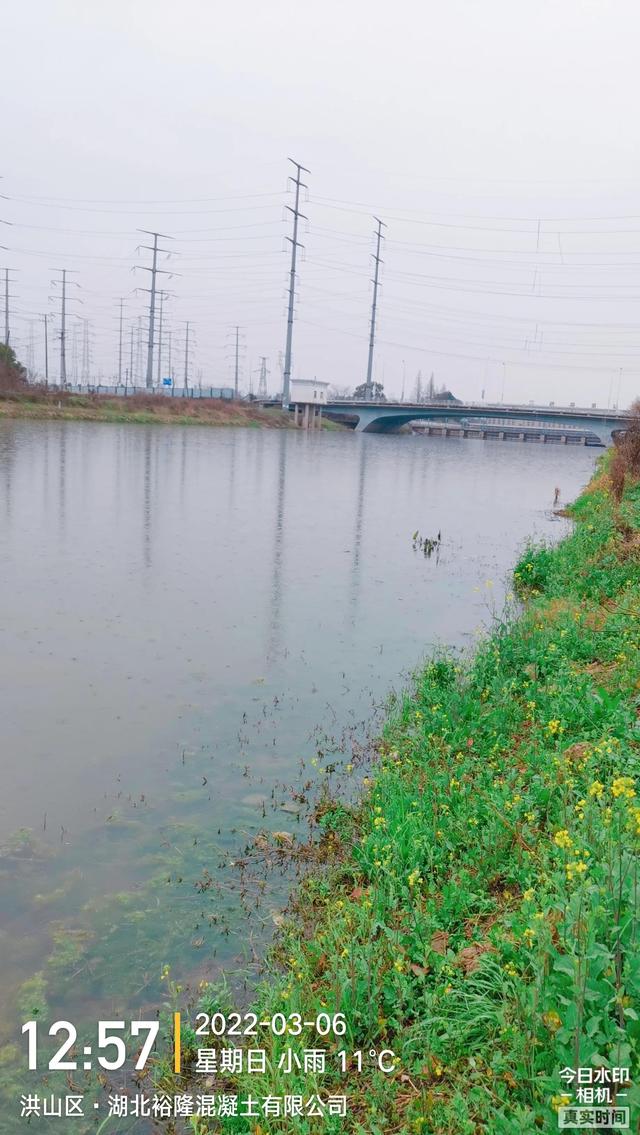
point(384, 417)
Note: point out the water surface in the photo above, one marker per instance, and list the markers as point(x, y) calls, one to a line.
point(186, 615)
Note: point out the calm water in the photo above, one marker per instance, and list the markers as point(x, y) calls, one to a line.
point(186, 614)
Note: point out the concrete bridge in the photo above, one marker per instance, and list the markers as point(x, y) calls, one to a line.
point(384, 417)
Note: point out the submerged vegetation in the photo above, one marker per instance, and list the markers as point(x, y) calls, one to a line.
point(477, 912)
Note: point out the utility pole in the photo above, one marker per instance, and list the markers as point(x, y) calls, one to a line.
point(186, 359)
point(237, 367)
point(160, 340)
point(152, 298)
point(120, 346)
point(170, 370)
point(286, 390)
point(46, 351)
point(372, 335)
point(131, 355)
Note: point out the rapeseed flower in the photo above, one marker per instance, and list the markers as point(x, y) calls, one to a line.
point(563, 839)
point(623, 786)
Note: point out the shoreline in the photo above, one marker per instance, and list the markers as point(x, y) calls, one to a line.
point(147, 410)
point(476, 912)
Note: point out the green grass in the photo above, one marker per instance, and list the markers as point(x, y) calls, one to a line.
point(477, 912)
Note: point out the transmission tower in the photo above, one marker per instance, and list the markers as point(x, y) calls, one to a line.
point(236, 371)
point(130, 374)
point(369, 383)
point(120, 345)
point(159, 378)
point(46, 350)
point(138, 350)
point(74, 355)
point(63, 283)
point(286, 390)
point(31, 348)
point(153, 248)
point(7, 297)
point(186, 358)
point(262, 383)
point(86, 363)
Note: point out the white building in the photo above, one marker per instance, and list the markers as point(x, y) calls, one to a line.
point(308, 397)
point(307, 390)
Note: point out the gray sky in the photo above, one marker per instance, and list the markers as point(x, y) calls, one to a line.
point(461, 124)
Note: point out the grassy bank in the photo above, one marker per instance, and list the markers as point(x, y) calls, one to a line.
point(477, 912)
point(144, 410)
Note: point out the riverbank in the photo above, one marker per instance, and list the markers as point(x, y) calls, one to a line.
point(477, 912)
point(143, 410)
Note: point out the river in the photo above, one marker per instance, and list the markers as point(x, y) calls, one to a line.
point(188, 617)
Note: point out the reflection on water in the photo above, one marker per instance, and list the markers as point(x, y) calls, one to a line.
point(181, 609)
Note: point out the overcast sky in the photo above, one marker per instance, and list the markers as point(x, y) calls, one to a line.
point(498, 140)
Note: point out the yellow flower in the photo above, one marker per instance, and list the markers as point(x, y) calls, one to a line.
point(554, 727)
point(560, 1101)
point(398, 965)
point(379, 822)
point(575, 868)
point(414, 878)
point(596, 789)
point(529, 936)
point(563, 839)
point(528, 894)
point(623, 786)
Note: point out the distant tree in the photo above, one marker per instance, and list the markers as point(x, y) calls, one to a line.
point(13, 375)
point(360, 392)
point(339, 393)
